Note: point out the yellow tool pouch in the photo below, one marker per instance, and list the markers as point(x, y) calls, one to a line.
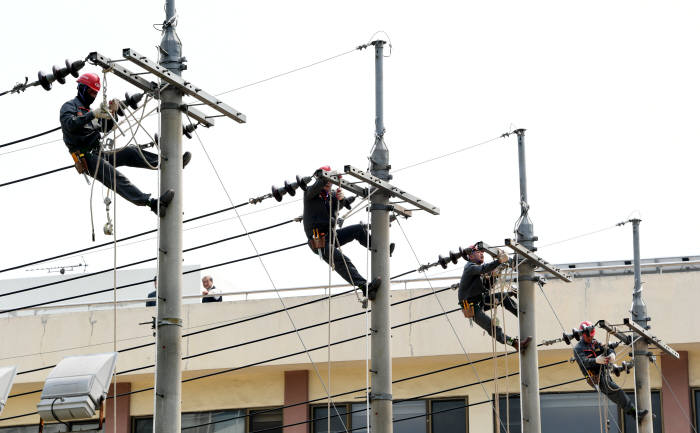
point(468, 309)
point(80, 162)
point(318, 241)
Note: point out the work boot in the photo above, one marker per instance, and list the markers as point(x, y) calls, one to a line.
point(521, 345)
point(186, 157)
point(373, 287)
point(164, 201)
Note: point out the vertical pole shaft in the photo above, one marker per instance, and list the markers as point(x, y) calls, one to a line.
point(381, 416)
point(529, 373)
point(168, 390)
point(641, 347)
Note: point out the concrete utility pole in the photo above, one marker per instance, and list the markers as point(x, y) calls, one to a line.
point(529, 373)
point(641, 346)
point(382, 414)
point(168, 390)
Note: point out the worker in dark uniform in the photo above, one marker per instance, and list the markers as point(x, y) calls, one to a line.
point(82, 129)
point(593, 359)
point(321, 207)
point(475, 298)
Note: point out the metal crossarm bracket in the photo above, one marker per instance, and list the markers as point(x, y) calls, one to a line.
point(332, 177)
point(135, 79)
point(613, 330)
point(392, 190)
point(488, 249)
point(185, 86)
point(650, 338)
point(521, 250)
point(400, 210)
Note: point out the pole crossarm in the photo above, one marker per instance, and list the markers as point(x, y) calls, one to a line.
point(521, 250)
point(150, 87)
point(391, 190)
point(184, 86)
point(650, 338)
point(334, 178)
point(626, 339)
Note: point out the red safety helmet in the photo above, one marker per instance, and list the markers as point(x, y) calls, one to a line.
point(91, 80)
point(586, 324)
point(325, 168)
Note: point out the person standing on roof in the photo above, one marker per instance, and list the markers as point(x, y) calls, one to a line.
point(475, 298)
point(82, 130)
point(321, 205)
point(593, 359)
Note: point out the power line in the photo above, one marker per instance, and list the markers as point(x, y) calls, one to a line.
point(56, 170)
point(453, 152)
point(208, 244)
point(294, 70)
point(67, 298)
point(396, 401)
point(12, 268)
point(30, 137)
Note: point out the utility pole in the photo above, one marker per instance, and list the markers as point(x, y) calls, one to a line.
point(529, 373)
point(641, 346)
point(381, 420)
point(168, 389)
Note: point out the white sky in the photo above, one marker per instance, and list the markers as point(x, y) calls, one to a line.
point(607, 91)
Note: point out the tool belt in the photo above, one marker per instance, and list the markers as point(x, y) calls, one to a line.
point(593, 379)
point(318, 240)
point(467, 309)
point(80, 161)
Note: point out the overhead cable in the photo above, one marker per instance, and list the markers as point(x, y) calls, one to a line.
point(29, 138)
point(229, 262)
point(70, 253)
point(208, 244)
point(34, 176)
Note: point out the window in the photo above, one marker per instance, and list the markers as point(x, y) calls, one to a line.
point(414, 414)
point(409, 417)
point(448, 416)
point(558, 409)
point(338, 424)
point(265, 419)
point(226, 421)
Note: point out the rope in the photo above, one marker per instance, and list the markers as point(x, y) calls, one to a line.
point(444, 313)
point(269, 276)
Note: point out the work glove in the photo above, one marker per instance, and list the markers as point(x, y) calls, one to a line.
point(339, 194)
point(611, 357)
point(502, 256)
point(601, 359)
point(101, 112)
point(113, 106)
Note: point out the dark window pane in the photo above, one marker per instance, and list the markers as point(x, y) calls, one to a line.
point(358, 419)
point(697, 409)
point(631, 422)
point(415, 415)
point(338, 424)
point(449, 421)
point(216, 421)
point(262, 420)
point(21, 429)
point(143, 425)
point(587, 408)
